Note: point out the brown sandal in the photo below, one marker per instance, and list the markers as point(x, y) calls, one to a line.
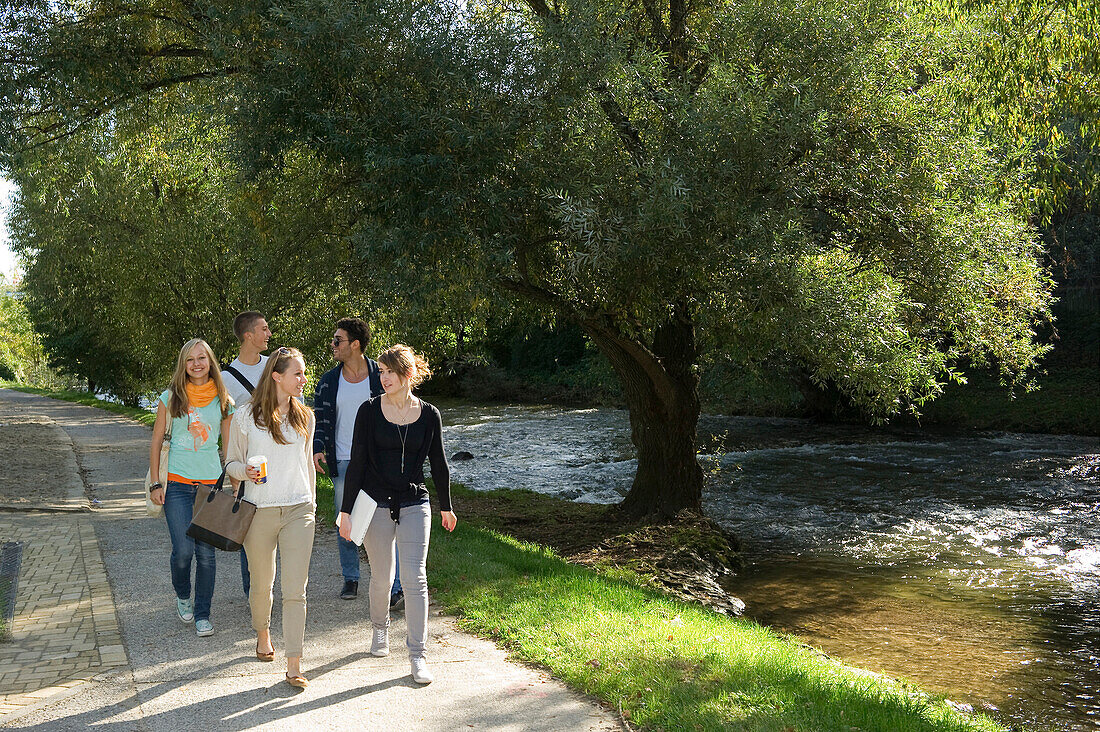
point(297, 680)
point(269, 656)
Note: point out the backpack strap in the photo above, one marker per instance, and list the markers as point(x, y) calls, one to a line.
point(240, 377)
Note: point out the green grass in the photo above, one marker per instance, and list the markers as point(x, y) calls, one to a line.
point(325, 495)
point(665, 664)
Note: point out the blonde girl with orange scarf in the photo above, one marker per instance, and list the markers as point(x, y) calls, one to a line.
point(200, 410)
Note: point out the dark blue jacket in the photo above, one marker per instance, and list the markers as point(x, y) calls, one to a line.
point(324, 410)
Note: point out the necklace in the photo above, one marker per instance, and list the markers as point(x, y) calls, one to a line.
point(403, 435)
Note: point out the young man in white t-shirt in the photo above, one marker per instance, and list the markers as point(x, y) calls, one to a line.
point(253, 333)
point(339, 394)
point(243, 374)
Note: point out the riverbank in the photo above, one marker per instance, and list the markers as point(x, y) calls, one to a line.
point(665, 664)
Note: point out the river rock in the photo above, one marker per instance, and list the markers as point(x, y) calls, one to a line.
point(462, 455)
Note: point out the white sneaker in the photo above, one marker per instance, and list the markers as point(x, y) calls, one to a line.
point(204, 628)
point(185, 609)
point(380, 642)
point(420, 672)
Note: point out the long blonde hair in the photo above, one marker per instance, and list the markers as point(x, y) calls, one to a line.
point(405, 361)
point(265, 400)
point(178, 402)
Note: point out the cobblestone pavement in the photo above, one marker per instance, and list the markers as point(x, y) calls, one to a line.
point(65, 630)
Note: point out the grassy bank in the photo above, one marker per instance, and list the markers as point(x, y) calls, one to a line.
point(663, 664)
point(5, 600)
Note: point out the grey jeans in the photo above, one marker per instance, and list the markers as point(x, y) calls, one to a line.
point(411, 535)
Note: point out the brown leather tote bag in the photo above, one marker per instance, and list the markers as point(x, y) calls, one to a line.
point(221, 518)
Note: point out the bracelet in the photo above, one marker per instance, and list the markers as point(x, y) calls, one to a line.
point(154, 487)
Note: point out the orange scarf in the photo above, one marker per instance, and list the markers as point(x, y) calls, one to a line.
point(200, 396)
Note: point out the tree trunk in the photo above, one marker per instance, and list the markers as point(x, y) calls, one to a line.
point(661, 390)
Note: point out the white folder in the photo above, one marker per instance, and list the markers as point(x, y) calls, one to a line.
point(361, 514)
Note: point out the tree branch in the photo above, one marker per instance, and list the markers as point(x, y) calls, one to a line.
point(657, 23)
point(541, 9)
point(628, 133)
point(98, 111)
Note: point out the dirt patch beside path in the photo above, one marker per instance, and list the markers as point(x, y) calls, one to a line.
point(39, 467)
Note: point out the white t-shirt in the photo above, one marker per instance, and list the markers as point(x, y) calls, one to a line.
point(252, 373)
point(349, 397)
point(289, 469)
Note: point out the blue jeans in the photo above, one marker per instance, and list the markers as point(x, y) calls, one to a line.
point(179, 501)
point(349, 552)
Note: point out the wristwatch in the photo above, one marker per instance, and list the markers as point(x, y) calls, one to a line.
point(154, 487)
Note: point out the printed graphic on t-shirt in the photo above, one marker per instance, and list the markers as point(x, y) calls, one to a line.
point(199, 430)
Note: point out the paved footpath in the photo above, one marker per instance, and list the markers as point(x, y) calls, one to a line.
point(96, 642)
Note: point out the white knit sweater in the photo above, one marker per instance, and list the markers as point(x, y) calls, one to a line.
point(291, 478)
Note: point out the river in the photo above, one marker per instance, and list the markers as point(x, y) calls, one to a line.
point(967, 563)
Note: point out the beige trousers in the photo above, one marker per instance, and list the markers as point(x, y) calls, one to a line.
point(290, 528)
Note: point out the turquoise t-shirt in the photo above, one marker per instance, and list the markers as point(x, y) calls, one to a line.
point(194, 449)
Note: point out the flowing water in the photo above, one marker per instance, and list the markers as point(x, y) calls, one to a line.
point(969, 564)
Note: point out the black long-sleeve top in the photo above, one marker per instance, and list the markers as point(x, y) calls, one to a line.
point(375, 465)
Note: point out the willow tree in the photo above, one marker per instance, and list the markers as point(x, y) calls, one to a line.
point(672, 177)
point(744, 175)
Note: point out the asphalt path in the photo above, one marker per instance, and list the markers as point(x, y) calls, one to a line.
point(176, 680)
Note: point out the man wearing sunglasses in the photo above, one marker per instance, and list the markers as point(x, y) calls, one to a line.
point(336, 401)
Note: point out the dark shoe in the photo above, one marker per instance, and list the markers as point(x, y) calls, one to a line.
point(397, 600)
point(350, 591)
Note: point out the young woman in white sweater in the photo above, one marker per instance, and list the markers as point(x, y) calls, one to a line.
point(277, 425)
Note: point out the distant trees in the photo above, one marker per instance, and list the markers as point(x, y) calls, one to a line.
point(20, 348)
point(139, 242)
point(750, 176)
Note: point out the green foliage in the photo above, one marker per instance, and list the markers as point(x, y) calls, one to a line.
point(1025, 70)
point(844, 188)
point(137, 246)
point(20, 350)
point(800, 193)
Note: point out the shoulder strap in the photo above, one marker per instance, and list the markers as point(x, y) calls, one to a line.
point(168, 419)
point(240, 377)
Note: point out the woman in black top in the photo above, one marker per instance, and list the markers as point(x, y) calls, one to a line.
point(394, 435)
